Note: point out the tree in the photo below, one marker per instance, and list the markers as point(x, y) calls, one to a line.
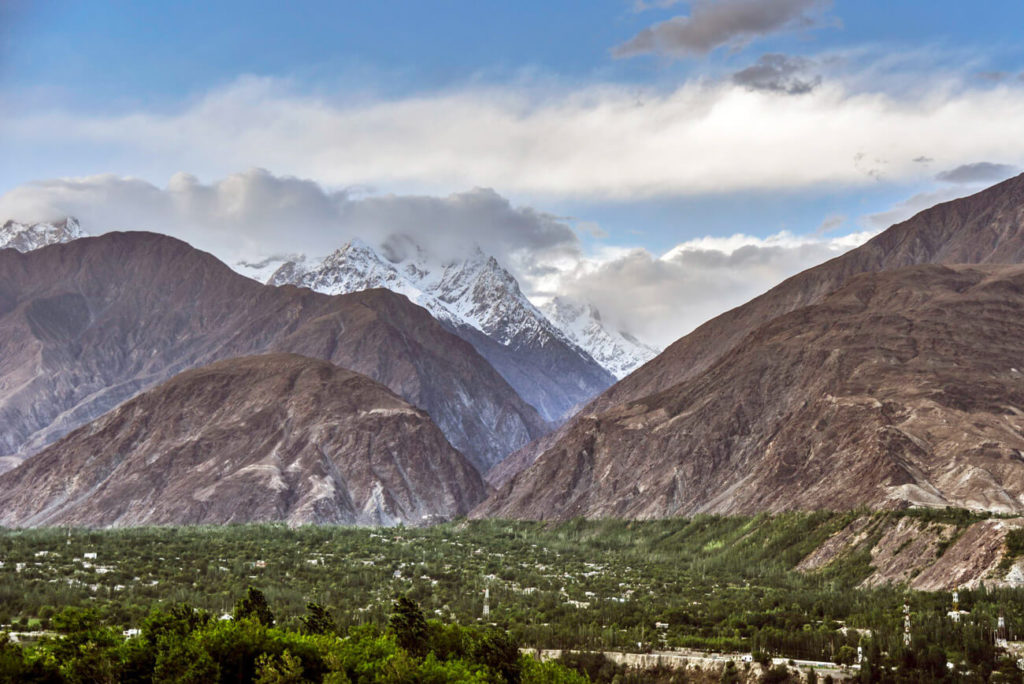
point(254, 605)
point(846, 655)
point(286, 669)
point(182, 660)
point(409, 626)
point(498, 651)
point(318, 620)
point(730, 675)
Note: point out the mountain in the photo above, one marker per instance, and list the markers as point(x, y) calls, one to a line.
point(616, 350)
point(277, 437)
point(479, 301)
point(26, 237)
point(986, 228)
point(879, 395)
point(89, 324)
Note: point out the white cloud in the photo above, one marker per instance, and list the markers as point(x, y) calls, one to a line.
point(662, 298)
point(600, 141)
point(918, 202)
point(978, 172)
point(257, 214)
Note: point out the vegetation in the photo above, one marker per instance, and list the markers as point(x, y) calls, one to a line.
point(709, 583)
point(1015, 544)
point(181, 644)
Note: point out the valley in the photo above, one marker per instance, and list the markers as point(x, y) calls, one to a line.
point(788, 586)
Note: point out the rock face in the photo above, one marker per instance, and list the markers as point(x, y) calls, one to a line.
point(985, 228)
point(87, 325)
point(275, 437)
point(480, 302)
point(901, 387)
point(25, 237)
point(616, 350)
point(922, 555)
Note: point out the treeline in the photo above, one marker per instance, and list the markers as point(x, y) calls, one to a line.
point(713, 583)
point(179, 643)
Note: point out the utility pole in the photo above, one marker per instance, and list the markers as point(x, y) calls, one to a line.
point(906, 623)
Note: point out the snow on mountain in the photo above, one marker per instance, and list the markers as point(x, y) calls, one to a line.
point(616, 350)
point(263, 269)
point(26, 237)
point(474, 291)
point(480, 301)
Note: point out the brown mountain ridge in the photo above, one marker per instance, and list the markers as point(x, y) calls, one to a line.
point(276, 437)
point(903, 387)
point(89, 324)
point(986, 228)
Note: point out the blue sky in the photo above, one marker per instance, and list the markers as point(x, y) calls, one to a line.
point(107, 55)
point(634, 126)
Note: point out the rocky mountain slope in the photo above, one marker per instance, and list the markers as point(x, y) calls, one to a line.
point(987, 227)
point(89, 324)
point(926, 555)
point(26, 237)
point(616, 350)
point(479, 301)
point(902, 387)
point(259, 438)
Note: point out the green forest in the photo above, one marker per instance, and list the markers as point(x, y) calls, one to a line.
point(308, 602)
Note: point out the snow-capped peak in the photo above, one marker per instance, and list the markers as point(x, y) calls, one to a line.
point(617, 350)
point(480, 301)
point(25, 237)
point(474, 290)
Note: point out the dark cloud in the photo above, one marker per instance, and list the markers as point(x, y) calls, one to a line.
point(712, 24)
point(644, 5)
point(979, 172)
point(991, 76)
point(778, 74)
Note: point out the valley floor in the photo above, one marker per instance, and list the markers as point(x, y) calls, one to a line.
point(793, 586)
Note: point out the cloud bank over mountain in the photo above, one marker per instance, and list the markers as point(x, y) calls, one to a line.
point(256, 214)
point(661, 298)
point(253, 213)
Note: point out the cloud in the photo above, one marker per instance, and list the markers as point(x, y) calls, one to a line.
point(660, 299)
point(978, 172)
point(253, 215)
point(991, 76)
point(257, 214)
point(644, 5)
point(778, 73)
point(712, 24)
point(592, 142)
point(915, 204)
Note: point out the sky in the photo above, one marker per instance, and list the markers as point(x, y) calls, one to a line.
point(664, 160)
